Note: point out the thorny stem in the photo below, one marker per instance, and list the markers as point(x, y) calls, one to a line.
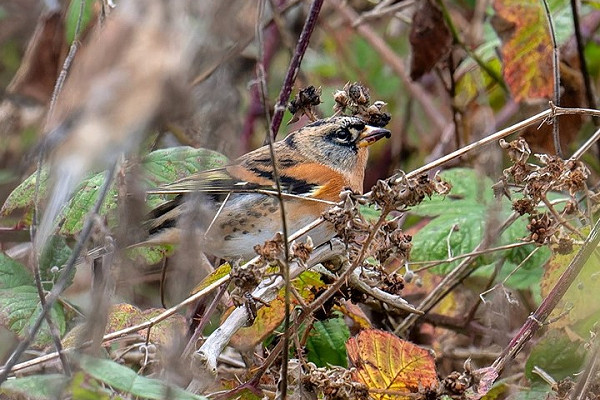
point(535, 321)
point(62, 280)
point(556, 71)
point(290, 77)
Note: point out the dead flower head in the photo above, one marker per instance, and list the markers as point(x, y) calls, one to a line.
point(403, 192)
point(304, 102)
point(272, 250)
point(334, 383)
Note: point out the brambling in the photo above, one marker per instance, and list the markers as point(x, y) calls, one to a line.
point(314, 163)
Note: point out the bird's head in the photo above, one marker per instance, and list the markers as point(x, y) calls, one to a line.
point(338, 142)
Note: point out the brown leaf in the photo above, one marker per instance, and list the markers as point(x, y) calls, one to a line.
point(430, 39)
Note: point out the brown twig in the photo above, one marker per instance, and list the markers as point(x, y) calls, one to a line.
point(556, 72)
point(589, 91)
point(290, 77)
point(270, 138)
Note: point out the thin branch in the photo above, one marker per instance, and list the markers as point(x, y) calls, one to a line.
point(61, 283)
point(556, 71)
point(270, 137)
point(54, 332)
point(433, 263)
point(589, 91)
point(290, 77)
point(588, 375)
point(586, 146)
point(67, 64)
point(190, 347)
point(383, 9)
point(536, 320)
point(456, 276)
point(542, 116)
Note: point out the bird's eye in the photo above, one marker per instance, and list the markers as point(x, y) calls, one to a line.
point(343, 135)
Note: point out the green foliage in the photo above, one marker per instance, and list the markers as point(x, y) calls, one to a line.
point(73, 17)
point(127, 381)
point(160, 166)
point(56, 254)
point(326, 343)
point(557, 354)
point(20, 303)
point(460, 222)
point(35, 387)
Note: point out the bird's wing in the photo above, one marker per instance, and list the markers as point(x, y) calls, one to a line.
point(238, 179)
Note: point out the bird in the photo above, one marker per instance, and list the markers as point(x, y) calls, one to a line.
point(240, 204)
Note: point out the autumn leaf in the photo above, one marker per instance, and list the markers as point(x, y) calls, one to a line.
point(526, 47)
point(390, 367)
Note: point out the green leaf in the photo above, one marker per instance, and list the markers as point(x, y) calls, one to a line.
point(55, 254)
point(168, 165)
point(557, 354)
point(161, 166)
point(126, 380)
point(73, 16)
point(460, 220)
point(326, 343)
point(22, 196)
point(83, 201)
point(12, 273)
point(19, 308)
point(537, 391)
point(20, 303)
point(37, 387)
point(84, 388)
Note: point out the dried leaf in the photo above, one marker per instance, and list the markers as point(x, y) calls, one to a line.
point(430, 39)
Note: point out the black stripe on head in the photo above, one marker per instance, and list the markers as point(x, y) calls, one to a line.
point(290, 141)
point(319, 122)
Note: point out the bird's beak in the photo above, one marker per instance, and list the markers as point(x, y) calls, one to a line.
point(371, 134)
